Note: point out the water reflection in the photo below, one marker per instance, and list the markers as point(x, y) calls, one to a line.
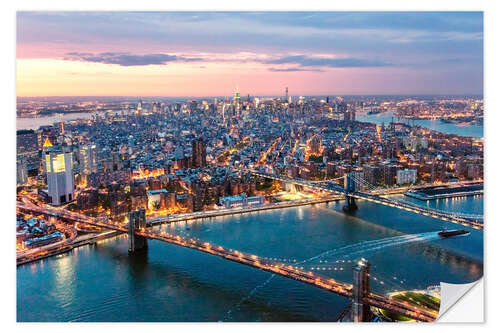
point(169, 283)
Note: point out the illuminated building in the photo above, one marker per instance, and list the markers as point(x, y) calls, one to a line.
point(237, 98)
point(314, 147)
point(139, 107)
point(88, 159)
point(406, 176)
point(239, 201)
point(45, 132)
point(47, 143)
point(27, 149)
point(46, 146)
point(156, 198)
point(59, 175)
point(27, 142)
point(143, 174)
point(350, 115)
point(22, 172)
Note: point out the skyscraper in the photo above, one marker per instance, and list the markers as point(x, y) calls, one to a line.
point(88, 158)
point(139, 107)
point(286, 94)
point(27, 148)
point(61, 127)
point(199, 153)
point(59, 174)
point(237, 97)
point(22, 172)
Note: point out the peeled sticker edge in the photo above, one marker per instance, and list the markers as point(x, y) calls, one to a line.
point(451, 294)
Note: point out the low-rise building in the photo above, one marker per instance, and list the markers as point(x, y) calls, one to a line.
point(239, 201)
point(406, 176)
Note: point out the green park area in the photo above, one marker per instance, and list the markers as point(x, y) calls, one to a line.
point(413, 298)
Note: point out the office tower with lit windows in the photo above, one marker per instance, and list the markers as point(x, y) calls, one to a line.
point(61, 127)
point(58, 164)
point(88, 158)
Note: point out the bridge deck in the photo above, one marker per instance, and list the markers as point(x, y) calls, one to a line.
point(462, 219)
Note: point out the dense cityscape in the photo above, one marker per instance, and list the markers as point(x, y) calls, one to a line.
point(265, 201)
point(180, 157)
point(194, 155)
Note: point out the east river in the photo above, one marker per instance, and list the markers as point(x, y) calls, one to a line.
point(169, 283)
point(436, 125)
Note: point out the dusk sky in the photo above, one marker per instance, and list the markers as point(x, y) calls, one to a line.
point(210, 53)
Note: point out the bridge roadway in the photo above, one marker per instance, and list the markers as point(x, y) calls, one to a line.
point(318, 281)
point(155, 220)
point(465, 220)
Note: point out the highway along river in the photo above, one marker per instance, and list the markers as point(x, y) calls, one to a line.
point(168, 283)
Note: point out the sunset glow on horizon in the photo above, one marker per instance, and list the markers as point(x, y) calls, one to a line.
point(210, 53)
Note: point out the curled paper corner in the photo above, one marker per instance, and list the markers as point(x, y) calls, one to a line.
point(459, 304)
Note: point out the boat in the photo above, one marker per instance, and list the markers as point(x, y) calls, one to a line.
point(451, 233)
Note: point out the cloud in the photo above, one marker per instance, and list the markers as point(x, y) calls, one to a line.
point(306, 61)
point(295, 69)
point(127, 59)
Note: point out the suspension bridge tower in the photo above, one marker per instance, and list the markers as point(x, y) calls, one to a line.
point(361, 288)
point(349, 187)
point(136, 221)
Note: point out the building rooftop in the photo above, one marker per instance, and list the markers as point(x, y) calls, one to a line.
point(153, 192)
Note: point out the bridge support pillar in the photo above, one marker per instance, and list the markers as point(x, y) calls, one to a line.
point(361, 288)
point(349, 187)
point(136, 220)
point(350, 204)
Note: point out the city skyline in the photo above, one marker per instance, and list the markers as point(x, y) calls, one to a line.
point(210, 53)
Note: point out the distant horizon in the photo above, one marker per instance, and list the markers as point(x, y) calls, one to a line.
point(251, 95)
point(127, 53)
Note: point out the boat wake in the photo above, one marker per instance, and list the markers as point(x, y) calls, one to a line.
point(353, 250)
point(348, 251)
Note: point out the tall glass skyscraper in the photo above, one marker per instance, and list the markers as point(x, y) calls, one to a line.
point(59, 169)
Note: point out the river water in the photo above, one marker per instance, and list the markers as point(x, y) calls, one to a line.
point(35, 122)
point(169, 283)
point(436, 125)
point(380, 118)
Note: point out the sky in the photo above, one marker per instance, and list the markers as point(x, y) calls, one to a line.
point(259, 53)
